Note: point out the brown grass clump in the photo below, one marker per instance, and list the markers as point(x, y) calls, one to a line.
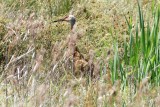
point(40, 95)
point(141, 91)
point(39, 59)
point(157, 100)
point(90, 97)
point(71, 99)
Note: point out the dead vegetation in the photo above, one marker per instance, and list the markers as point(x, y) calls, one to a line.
point(44, 64)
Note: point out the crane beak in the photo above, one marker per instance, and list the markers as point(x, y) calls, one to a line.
point(63, 19)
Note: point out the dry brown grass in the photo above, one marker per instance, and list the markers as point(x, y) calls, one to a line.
point(44, 64)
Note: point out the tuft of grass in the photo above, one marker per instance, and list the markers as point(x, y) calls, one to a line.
point(62, 6)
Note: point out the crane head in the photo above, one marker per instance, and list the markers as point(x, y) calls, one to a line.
point(71, 19)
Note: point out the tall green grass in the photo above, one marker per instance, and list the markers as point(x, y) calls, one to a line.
point(47, 7)
point(62, 6)
point(142, 53)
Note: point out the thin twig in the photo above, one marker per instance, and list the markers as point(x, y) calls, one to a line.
point(18, 58)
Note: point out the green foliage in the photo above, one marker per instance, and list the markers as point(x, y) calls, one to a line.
point(142, 53)
point(62, 6)
point(50, 7)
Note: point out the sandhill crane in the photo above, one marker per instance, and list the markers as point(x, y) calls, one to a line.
point(72, 48)
point(72, 37)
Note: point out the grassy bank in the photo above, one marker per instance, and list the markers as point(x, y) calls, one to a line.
point(117, 42)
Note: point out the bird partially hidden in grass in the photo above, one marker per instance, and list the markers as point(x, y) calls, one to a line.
point(72, 37)
point(79, 64)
